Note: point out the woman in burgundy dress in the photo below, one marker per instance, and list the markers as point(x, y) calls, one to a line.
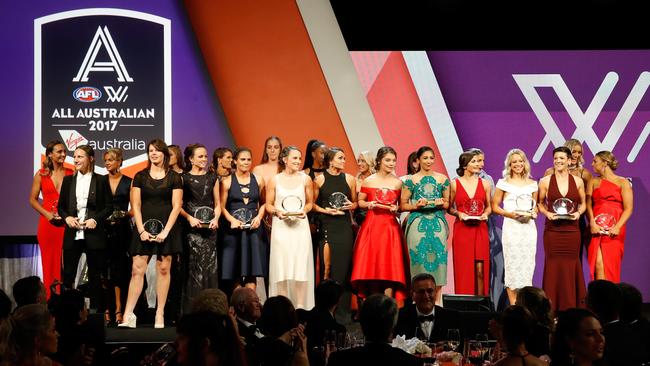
point(379, 256)
point(471, 242)
point(609, 196)
point(563, 281)
point(48, 181)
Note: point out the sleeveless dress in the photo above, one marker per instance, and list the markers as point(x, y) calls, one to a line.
point(336, 231)
point(50, 237)
point(608, 198)
point(291, 265)
point(427, 232)
point(156, 198)
point(471, 244)
point(563, 281)
point(201, 244)
point(118, 235)
point(244, 252)
point(519, 239)
point(379, 251)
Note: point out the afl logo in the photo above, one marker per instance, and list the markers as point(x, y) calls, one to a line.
point(87, 94)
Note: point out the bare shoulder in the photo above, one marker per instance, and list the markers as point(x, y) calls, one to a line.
point(623, 182)
point(544, 180)
point(319, 179)
point(578, 180)
point(549, 171)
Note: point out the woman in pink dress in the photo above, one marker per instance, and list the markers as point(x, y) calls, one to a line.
point(609, 196)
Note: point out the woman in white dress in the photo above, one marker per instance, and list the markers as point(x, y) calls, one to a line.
point(518, 192)
point(291, 264)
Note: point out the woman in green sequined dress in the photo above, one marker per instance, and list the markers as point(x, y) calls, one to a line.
point(426, 196)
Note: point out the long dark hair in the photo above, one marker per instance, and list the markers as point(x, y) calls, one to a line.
point(285, 152)
point(189, 152)
point(331, 153)
point(312, 145)
point(179, 156)
point(409, 163)
point(218, 154)
point(48, 164)
point(161, 146)
point(265, 156)
point(383, 151)
point(465, 158)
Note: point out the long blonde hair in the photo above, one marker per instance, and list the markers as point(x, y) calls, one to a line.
point(570, 144)
point(507, 171)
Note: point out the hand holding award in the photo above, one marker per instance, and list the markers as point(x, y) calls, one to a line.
point(153, 227)
point(338, 202)
point(474, 209)
point(564, 209)
point(430, 192)
point(606, 222)
point(204, 214)
point(525, 207)
point(385, 198)
point(293, 206)
point(244, 216)
point(56, 219)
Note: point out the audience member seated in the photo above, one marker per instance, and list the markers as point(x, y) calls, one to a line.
point(5, 305)
point(208, 339)
point(578, 339)
point(280, 323)
point(27, 336)
point(248, 310)
point(516, 327)
point(423, 318)
point(210, 299)
point(378, 317)
point(535, 301)
point(631, 315)
point(623, 346)
point(29, 290)
point(70, 312)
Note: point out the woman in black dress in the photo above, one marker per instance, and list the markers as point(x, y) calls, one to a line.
point(245, 251)
point(157, 194)
point(118, 230)
point(314, 158)
point(200, 194)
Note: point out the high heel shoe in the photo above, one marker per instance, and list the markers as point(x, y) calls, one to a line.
point(160, 323)
point(129, 321)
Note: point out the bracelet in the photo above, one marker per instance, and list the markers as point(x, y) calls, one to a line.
point(140, 233)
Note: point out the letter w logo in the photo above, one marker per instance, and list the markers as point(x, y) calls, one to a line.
point(118, 95)
point(103, 39)
point(584, 121)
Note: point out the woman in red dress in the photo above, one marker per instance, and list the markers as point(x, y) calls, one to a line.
point(50, 237)
point(471, 242)
point(379, 253)
point(611, 196)
point(563, 281)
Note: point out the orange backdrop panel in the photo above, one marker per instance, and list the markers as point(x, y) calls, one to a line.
point(266, 73)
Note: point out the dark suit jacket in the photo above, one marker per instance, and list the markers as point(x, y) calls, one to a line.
point(265, 350)
point(408, 324)
point(375, 354)
point(99, 207)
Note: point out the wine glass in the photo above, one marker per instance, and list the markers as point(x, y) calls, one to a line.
point(475, 352)
point(453, 339)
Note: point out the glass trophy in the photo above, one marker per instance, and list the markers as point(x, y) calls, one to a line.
point(606, 221)
point(292, 205)
point(244, 215)
point(428, 191)
point(525, 205)
point(385, 197)
point(473, 208)
point(56, 220)
point(563, 208)
point(338, 200)
point(116, 217)
point(153, 227)
point(205, 214)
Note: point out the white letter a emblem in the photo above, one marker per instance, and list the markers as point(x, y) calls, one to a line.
point(103, 38)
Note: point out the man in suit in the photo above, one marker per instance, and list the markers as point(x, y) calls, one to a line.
point(85, 203)
point(378, 317)
point(423, 319)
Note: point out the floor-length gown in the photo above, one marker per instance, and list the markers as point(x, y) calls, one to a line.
point(379, 251)
point(471, 245)
point(519, 239)
point(201, 243)
point(427, 232)
point(608, 199)
point(563, 281)
point(50, 237)
point(119, 233)
point(291, 265)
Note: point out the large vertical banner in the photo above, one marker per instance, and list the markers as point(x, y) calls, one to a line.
point(102, 77)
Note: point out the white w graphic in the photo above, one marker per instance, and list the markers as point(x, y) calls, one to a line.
point(102, 39)
point(584, 121)
point(118, 95)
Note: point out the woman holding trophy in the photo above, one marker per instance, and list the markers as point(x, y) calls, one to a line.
point(201, 210)
point(48, 181)
point(426, 196)
point(518, 193)
point(244, 253)
point(379, 261)
point(562, 201)
point(156, 200)
point(471, 242)
point(609, 206)
point(289, 197)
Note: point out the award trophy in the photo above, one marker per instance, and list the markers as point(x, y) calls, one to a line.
point(385, 198)
point(525, 205)
point(292, 205)
point(153, 227)
point(428, 191)
point(245, 216)
point(606, 221)
point(204, 214)
point(115, 217)
point(473, 208)
point(56, 220)
point(338, 200)
point(563, 208)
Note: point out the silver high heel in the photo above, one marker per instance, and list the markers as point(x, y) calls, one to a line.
point(159, 325)
point(129, 321)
